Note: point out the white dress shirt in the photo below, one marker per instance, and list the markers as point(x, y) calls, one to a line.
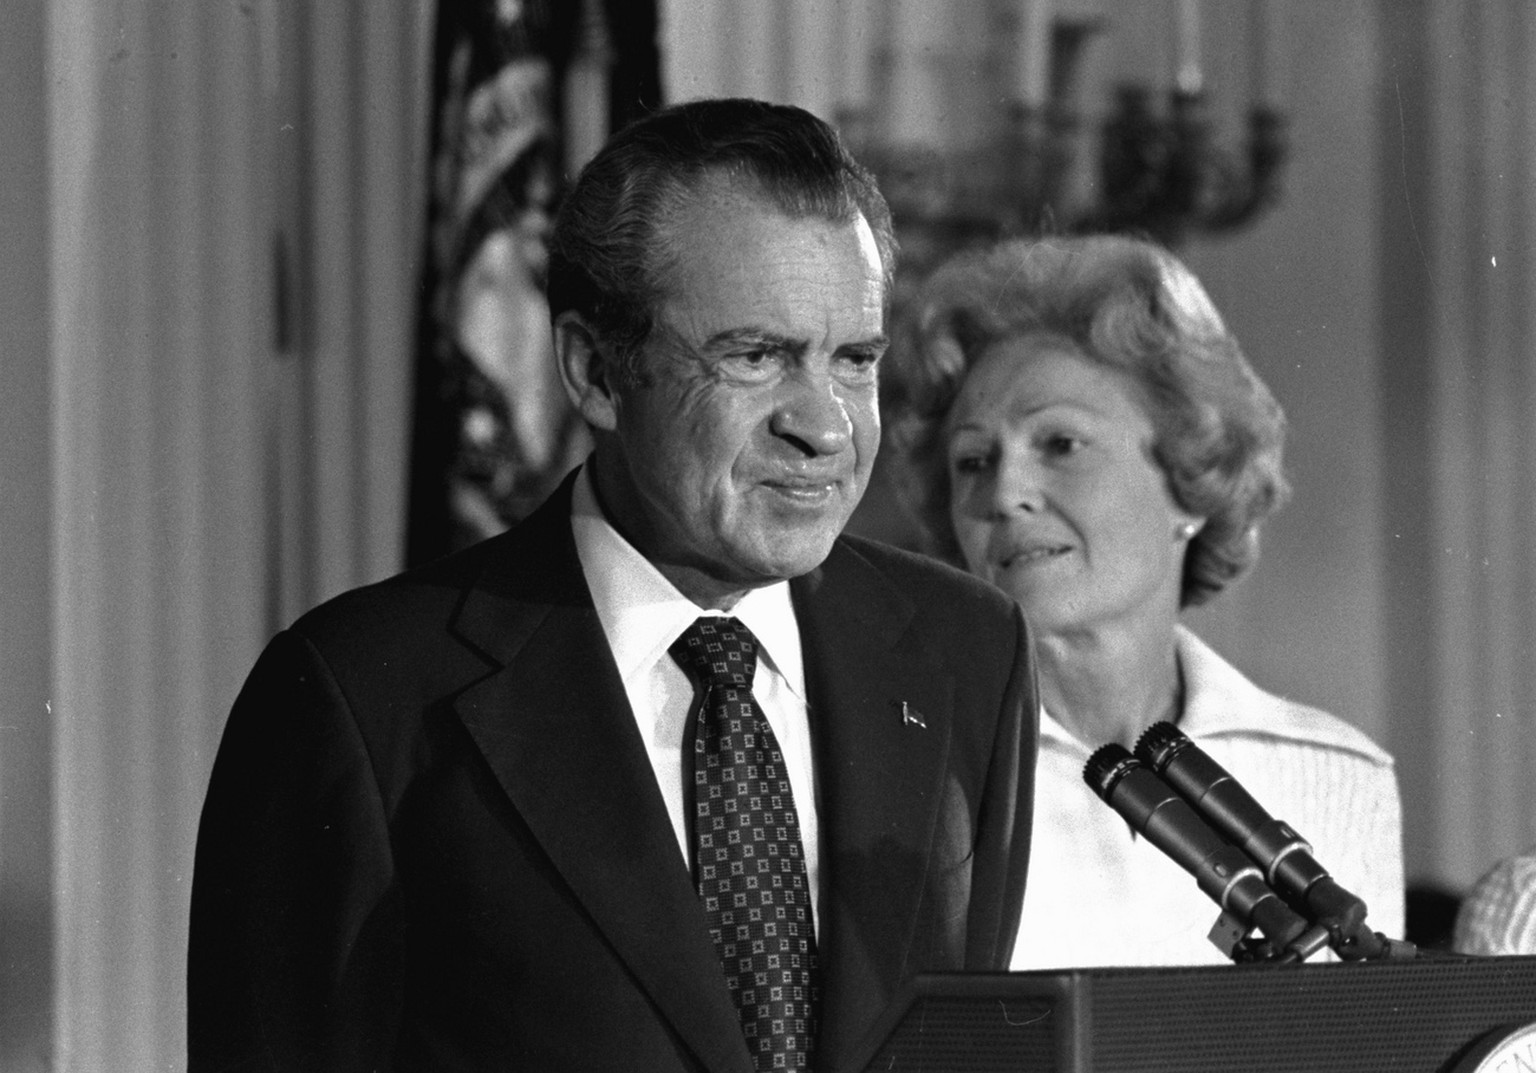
point(1098, 895)
point(642, 614)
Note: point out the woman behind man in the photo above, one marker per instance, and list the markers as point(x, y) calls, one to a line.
point(1078, 427)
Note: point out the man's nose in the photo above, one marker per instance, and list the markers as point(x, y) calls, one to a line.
point(812, 415)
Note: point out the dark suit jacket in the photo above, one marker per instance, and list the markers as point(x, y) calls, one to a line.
point(433, 839)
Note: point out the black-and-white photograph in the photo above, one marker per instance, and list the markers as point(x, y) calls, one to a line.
point(744, 535)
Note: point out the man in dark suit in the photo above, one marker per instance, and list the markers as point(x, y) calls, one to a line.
point(500, 813)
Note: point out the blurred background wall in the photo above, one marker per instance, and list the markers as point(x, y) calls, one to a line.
point(211, 225)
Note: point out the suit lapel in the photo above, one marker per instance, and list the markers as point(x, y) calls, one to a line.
point(880, 776)
point(555, 726)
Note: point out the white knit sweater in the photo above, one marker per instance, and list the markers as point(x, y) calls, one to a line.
point(1499, 915)
point(1097, 895)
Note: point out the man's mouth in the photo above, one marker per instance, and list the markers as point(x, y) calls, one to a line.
point(804, 491)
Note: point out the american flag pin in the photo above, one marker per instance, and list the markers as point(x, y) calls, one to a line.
point(911, 717)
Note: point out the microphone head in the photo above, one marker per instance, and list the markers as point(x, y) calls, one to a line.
point(1107, 766)
point(1159, 744)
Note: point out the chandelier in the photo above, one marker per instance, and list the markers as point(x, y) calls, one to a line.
point(970, 115)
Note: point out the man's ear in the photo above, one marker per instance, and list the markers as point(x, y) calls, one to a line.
point(584, 370)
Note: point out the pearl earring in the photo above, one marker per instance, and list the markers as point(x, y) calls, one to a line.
point(1187, 530)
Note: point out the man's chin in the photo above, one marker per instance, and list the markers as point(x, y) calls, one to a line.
point(796, 556)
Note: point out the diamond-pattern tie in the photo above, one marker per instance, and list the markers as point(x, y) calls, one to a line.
point(748, 864)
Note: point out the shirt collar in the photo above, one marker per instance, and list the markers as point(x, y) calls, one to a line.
point(1220, 701)
point(642, 612)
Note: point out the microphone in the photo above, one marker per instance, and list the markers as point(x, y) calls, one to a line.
point(1285, 857)
point(1156, 811)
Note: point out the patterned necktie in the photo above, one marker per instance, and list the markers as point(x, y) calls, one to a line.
point(748, 863)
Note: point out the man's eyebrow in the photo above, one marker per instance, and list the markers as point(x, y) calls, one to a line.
point(756, 337)
point(875, 344)
point(763, 338)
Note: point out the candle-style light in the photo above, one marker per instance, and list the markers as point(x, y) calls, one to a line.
point(856, 44)
point(955, 173)
point(1267, 53)
point(913, 96)
point(1032, 69)
point(1188, 77)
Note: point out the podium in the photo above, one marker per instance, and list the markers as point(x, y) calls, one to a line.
point(1433, 1014)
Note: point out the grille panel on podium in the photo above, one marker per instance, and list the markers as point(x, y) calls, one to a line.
point(1361, 1018)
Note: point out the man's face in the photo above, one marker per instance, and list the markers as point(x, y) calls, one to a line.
point(750, 437)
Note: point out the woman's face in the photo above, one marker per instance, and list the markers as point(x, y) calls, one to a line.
point(1054, 495)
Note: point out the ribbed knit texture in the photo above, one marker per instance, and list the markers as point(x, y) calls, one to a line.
point(1099, 896)
point(1499, 915)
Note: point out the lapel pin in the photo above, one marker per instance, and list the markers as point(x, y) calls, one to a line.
point(911, 717)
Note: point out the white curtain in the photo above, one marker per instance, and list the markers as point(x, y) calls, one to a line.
point(1466, 267)
point(160, 323)
point(231, 192)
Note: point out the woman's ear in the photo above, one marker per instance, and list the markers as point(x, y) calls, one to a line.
point(585, 371)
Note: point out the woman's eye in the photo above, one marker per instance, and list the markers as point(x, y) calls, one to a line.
point(1061, 444)
point(970, 463)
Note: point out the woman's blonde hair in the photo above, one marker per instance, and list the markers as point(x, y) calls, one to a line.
point(1128, 305)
